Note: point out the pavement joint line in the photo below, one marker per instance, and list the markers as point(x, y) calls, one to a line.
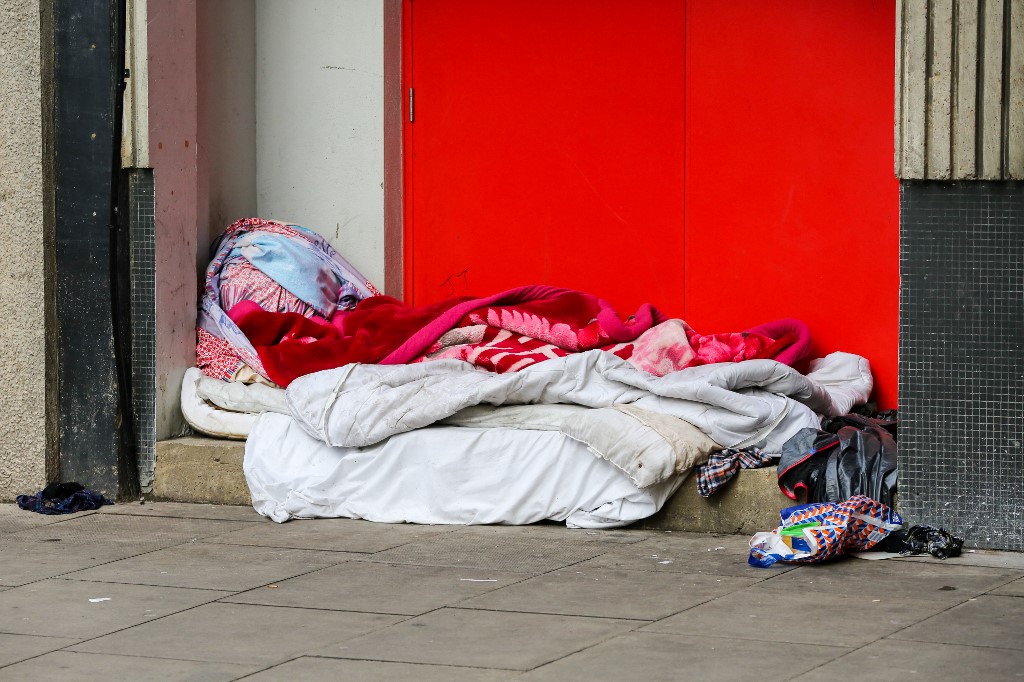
point(61, 576)
point(967, 646)
point(221, 601)
point(640, 621)
point(381, 660)
point(171, 516)
point(406, 616)
point(270, 667)
point(103, 653)
point(311, 549)
point(22, 634)
point(587, 647)
point(118, 582)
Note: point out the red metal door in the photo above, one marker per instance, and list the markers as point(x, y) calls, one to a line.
point(547, 148)
point(792, 206)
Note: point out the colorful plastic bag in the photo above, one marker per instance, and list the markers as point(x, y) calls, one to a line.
point(810, 533)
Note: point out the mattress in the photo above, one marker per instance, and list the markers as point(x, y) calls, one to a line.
point(442, 475)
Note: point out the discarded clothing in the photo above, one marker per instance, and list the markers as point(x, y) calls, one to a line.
point(850, 455)
point(62, 498)
point(920, 539)
point(724, 464)
point(810, 533)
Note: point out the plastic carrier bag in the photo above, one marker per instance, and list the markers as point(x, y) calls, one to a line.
point(809, 533)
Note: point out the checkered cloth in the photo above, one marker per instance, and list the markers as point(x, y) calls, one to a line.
point(723, 465)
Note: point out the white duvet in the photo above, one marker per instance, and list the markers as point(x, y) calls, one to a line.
point(587, 439)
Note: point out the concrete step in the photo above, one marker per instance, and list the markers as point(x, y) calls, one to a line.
point(210, 471)
point(200, 470)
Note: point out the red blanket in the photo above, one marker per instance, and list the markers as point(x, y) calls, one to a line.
point(503, 332)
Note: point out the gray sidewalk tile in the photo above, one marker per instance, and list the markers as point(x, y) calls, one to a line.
point(14, 648)
point(238, 633)
point(798, 617)
point(686, 553)
point(61, 608)
point(213, 567)
point(609, 593)
point(889, 659)
point(990, 621)
point(1014, 589)
point(185, 510)
point(380, 588)
point(129, 530)
point(559, 531)
point(13, 519)
point(497, 551)
point(975, 557)
point(71, 665)
point(884, 579)
point(483, 639)
point(26, 561)
point(655, 657)
point(314, 668)
point(340, 535)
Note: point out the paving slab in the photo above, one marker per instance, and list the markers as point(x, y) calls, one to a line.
point(608, 593)
point(238, 633)
point(654, 657)
point(340, 535)
point(27, 561)
point(559, 531)
point(62, 608)
point(315, 668)
point(71, 665)
point(987, 621)
point(799, 617)
point(128, 530)
point(482, 639)
point(975, 557)
point(945, 583)
point(687, 553)
point(380, 588)
point(213, 567)
point(13, 519)
point(498, 550)
point(1014, 589)
point(896, 660)
point(185, 510)
point(14, 648)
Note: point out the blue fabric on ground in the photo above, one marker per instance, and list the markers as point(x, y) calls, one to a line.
point(81, 500)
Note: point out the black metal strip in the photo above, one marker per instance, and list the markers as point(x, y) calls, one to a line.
point(87, 82)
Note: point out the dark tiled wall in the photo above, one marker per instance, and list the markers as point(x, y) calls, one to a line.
point(962, 359)
point(142, 209)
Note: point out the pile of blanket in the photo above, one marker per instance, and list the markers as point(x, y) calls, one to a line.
point(532, 403)
point(309, 310)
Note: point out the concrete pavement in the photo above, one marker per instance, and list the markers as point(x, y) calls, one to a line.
point(174, 591)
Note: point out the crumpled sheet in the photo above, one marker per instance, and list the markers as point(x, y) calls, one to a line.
point(756, 402)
